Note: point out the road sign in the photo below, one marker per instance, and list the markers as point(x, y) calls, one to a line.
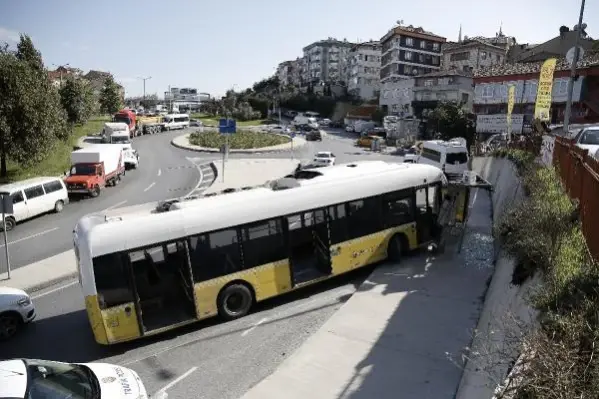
point(227, 126)
point(570, 55)
point(292, 135)
point(6, 204)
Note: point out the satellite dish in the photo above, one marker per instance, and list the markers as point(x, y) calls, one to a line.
point(570, 55)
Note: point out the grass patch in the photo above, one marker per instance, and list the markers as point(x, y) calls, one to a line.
point(213, 120)
point(543, 233)
point(58, 159)
point(239, 140)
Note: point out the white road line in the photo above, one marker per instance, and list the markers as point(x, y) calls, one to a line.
point(252, 328)
point(150, 186)
point(115, 205)
point(159, 172)
point(62, 287)
point(176, 381)
point(41, 233)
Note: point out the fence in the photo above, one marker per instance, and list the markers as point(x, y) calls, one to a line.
point(579, 173)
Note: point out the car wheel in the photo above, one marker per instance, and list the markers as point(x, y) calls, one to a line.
point(9, 325)
point(95, 191)
point(10, 223)
point(58, 206)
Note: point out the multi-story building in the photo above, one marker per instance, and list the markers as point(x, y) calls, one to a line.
point(289, 72)
point(470, 54)
point(408, 51)
point(363, 70)
point(326, 61)
point(58, 76)
point(491, 91)
point(433, 88)
point(396, 97)
point(185, 97)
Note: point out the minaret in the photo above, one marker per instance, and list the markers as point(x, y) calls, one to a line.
point(460, 35)
point(500, 29)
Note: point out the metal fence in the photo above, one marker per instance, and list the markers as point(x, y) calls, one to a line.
point(579, 173)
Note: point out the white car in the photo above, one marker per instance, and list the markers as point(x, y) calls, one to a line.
point(32, 378)
point(324, 158)
point(588, 138)
point(16, 310)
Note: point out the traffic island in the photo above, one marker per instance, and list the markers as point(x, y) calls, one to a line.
point(242, 142)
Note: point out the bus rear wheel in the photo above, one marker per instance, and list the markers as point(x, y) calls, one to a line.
point(394, 249)
point(234, 301)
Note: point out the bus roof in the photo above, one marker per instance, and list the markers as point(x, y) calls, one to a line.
point(106, 233)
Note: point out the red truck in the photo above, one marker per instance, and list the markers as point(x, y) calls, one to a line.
point(139, 125)
point(95, 167)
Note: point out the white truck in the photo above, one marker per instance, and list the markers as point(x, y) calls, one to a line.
point(118, 133)
point(95, 167)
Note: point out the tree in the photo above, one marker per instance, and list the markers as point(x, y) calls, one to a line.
point(596, 45)
point(450, 121)
point(31, 117)
point(77, 99)
point(110, 97)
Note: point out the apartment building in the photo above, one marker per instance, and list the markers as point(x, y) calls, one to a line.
point(61, 73)
point(326, 61)
point(491, 91)
point(470, 54)
point(289, 72)
point(407, 51)
point(363, 70)
point(433, 88)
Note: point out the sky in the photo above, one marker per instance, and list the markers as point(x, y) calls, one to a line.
point(218, 45)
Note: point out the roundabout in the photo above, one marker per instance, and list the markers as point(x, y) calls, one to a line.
point(242, 142)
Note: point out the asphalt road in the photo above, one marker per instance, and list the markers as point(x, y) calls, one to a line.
point(210, 359)
point(164, 172)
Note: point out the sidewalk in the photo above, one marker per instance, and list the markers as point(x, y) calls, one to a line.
point(401, 335)
point(43, 273)
point(183, 143)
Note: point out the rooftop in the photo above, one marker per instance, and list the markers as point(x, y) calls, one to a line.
point(331, 41)
point(467, 43)
point(410, 30)
point(590, 59)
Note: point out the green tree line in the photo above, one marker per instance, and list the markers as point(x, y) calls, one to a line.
point(35, 114)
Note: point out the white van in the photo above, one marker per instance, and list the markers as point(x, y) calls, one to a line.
point(33, 197)
point(116, 132)
point(176, 121)
point(450, 156)
point(302, 119)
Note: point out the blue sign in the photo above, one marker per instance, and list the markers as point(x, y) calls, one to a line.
point(292, 135)
point(227, 126)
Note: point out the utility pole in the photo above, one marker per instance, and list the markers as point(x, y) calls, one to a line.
point(144, 80)
point(573, 70)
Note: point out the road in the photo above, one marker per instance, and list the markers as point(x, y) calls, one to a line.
point(165, 172)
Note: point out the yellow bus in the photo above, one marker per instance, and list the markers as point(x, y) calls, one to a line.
point(147, 269)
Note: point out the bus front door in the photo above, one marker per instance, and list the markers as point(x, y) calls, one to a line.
point(309, 246)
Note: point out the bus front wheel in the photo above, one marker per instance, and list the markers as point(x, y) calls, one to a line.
point(395, 248)
point(234, 301)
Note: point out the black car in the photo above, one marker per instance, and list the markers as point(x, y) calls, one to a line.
point(314, 135)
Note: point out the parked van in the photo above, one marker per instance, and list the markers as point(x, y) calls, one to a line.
point(33, 197)
point(302, 119)
point(176, 121)
point(451, 156)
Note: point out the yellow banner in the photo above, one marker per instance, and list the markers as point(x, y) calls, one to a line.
point(543, 103)
point(511, 94)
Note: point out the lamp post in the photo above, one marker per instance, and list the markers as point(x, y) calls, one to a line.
point(144, 80)
point(568, 111)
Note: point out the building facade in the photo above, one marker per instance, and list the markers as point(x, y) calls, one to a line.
point(407, 51)
point(289, 73)
point(433, 88)
point(364, 68)
point(470, 54)
point(556, 47)
point(326, 61)
point(396, 97)
point(185, 97)
point(491, 91)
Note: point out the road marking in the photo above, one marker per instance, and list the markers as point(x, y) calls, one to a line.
point(62, 287)
point(115, 205)
point(150, 186)
point(159, 172)
point(252, 328)
point(41, 233)
point(176, 381)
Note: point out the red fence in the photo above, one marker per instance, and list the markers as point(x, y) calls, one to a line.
point(579, 173)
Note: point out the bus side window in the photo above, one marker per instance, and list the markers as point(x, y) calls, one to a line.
point(199, 254)
point(397, 209)
point(338, 223)
point(262, 243)
point(112, 282)
point(225, 256)
point(364, 217)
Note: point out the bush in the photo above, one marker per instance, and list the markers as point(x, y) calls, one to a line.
point(239, 140)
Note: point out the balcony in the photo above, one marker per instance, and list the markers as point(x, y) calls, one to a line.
point(437, 88)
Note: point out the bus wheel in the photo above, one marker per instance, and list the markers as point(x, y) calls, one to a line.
point(234, 301)
point(394, 248)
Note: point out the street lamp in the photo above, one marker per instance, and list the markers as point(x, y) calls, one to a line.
point(144, 79)
point(61, 68)
point(568, 111)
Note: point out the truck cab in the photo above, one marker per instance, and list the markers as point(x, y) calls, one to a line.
point(95, 167)
point(128, 117)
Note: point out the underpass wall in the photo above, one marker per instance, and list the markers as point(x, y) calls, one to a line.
point(506, 313)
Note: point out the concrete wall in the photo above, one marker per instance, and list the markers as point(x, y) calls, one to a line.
point(506, 313)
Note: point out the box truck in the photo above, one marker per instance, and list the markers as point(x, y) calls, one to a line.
point(95, 167)
point(118, 133)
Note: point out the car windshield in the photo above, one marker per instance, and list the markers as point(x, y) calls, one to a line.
point(83, 170)
point(54, 380)
point(120, 139)
point(122, 118)
point(590, 137)
point(323, 155)
point(457, 158)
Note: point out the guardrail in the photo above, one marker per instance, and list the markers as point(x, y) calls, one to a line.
point(579, 173)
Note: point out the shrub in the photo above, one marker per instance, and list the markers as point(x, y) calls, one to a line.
point(239, 140)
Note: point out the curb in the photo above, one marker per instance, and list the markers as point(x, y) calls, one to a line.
point(49, 283)
point(234, 151)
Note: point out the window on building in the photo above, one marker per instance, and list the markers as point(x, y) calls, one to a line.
point(409, 41)
point(428, 82)
point(465, 98)
point(463, 56)
point(487, 91)
point(483, 55)
point(422, 44)
point(408, 55)
point(436, 60)
point(436, 46)
point(421, 58)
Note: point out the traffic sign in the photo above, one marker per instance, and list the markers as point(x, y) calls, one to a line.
point(227, 126)
point(292, 135)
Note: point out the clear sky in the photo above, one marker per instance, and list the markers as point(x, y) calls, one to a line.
point(216, 45)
